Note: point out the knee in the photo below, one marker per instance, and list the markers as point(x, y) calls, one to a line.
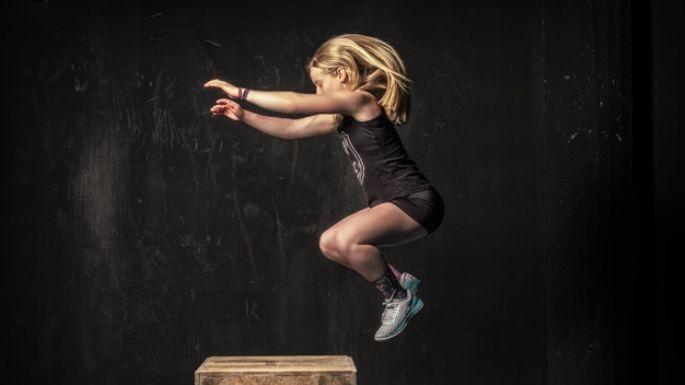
point(333, 245)
point(327, 244)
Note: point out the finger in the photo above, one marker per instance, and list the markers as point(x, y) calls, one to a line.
point(224, 101)
point(219, 111)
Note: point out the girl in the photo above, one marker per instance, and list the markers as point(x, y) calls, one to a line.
point(362, 93)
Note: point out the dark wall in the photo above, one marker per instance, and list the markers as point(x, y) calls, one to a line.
point(593, 170)
point(667, 43)
point(146, 236)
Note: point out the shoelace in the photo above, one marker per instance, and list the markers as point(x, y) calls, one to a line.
point(390, 312)
point(387, 301)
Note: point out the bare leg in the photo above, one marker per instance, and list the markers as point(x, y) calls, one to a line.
point(354, 241)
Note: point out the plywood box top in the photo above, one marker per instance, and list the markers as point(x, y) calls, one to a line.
point(276, 364)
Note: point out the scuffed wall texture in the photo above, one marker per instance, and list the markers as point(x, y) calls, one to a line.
point(146, 235)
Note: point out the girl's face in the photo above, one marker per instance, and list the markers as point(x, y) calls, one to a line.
point(328, 82)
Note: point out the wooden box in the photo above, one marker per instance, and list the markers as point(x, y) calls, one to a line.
point(277, 370)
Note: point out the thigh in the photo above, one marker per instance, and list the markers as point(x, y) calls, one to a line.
point(350, 217)
point(426, 207)
point(382, 225)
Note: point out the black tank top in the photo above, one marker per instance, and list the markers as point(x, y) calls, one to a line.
point(379, 159)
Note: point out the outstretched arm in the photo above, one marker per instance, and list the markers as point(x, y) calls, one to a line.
point(283, 128)
point(297, 103)
point(286, 128)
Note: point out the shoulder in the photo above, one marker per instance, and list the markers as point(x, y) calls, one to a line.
point(357, 98)
point(368, 108)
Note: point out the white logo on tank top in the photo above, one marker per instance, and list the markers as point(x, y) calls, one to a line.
point(357, 163)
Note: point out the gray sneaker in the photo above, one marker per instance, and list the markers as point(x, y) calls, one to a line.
point(396, 315)
point(410, 282)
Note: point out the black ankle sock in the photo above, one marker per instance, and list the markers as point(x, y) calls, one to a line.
point(388, 284)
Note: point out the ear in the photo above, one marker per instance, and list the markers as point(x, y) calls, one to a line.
point(341, 74)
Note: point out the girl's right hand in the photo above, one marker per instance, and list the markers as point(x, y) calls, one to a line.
point(228, 108)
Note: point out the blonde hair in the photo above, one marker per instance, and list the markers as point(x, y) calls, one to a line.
point(372, 65)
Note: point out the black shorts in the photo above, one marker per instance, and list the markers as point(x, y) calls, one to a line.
point(426, 207)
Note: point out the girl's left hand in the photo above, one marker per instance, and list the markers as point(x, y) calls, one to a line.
point(228, 108)
point(228, 88)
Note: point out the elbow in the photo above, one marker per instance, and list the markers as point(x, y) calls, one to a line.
point(291, 105)
point(293, 108)
point(290, 131)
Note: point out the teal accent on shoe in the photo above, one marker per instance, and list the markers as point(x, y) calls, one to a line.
point(410, 282)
